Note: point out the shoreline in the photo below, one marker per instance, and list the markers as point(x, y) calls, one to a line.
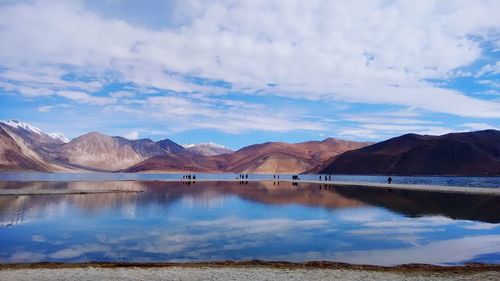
point(491, 191)
point(469, 267)
point(238, 273)
point(20, 192)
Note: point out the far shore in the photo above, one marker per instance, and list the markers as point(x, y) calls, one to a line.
point(393, 186)
point(19, 192)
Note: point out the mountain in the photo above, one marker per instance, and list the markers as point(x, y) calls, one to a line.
point(471, 153)
point(35, 136)
point(270, 157)
point(170, 146)
point(207, 149)
point(24, 147)
point(59, 136)
point(14, 158)
point(178, 163)
point(98, 151)
point(280, 157)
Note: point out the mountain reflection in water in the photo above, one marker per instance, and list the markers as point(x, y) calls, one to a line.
point(175, 221)
point(410, 203)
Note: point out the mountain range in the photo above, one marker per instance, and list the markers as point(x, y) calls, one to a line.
point(472, 153)
point(26, 148)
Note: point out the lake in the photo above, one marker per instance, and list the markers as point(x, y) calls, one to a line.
point(430, 180)
point(206, 221)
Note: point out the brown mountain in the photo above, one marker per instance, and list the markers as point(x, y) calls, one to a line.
point(98, 151)
point(472, 153)
point(25, 149)
point(270, 157)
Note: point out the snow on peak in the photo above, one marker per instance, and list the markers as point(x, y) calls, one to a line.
point(188, 145)
point(25, 126)
point(58, 136)
point(21, 125)
point(209, 144)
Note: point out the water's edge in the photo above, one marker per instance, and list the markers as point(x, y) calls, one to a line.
point(470, 267)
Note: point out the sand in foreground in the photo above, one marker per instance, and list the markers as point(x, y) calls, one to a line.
point(233, 273)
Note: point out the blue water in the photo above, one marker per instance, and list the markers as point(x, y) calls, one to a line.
point(179, 222)
point(429, 180)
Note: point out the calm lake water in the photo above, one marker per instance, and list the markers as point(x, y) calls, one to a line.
point(432, 180)
point(206, 221)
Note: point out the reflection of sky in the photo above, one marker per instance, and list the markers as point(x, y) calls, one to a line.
point(223, 227)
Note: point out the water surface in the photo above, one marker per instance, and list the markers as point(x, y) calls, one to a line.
point(430, 180)
point(178, 222)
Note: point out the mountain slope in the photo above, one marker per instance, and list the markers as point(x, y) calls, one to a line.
point(170, 147)
point(271, 157)
point(279, 157)
point(98, 151)
point(21, 151)
point(177, 163)
point(207, 149)
point(43, 142)
point(472, 153)
point(13, 158)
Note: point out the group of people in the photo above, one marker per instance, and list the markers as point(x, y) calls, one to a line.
point(326, 177)
point(243, 176)
point(189, 177)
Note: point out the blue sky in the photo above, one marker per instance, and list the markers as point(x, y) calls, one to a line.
point(244, 72)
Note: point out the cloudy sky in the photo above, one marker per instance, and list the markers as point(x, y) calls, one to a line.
point(241, 72)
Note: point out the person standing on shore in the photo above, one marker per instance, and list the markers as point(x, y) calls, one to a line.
point(389, 180)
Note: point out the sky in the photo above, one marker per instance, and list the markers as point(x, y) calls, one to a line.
point(245, 72)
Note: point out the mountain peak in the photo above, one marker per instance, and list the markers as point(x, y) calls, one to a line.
point(32, 129)
point(59, 136)
point(209, 144)
point(21, 125)
point(207, 148)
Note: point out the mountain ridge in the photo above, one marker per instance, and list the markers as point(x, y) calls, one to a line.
point(465, 153)
point(26, 148)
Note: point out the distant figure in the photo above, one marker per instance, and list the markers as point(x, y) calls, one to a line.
point(320, 178)
point(278, 176)
point(194, 177)
point(389, 180)
point(274, 176)
point(247, 176)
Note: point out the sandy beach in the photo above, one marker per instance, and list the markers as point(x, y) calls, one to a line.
point(206, 272)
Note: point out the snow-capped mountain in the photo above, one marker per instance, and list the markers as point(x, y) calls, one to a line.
point(32, 129)
point(21, 125)
point(207, 148)
point(59, 136)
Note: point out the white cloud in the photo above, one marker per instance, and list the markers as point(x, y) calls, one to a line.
point(132, 135)
point(225, 115)
point(479, 126)
point(373, 52)
point(489, 69)
point(121, 94)
point(438, 252)
point(45, 108)
point(481, 226)
point(86, 98)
